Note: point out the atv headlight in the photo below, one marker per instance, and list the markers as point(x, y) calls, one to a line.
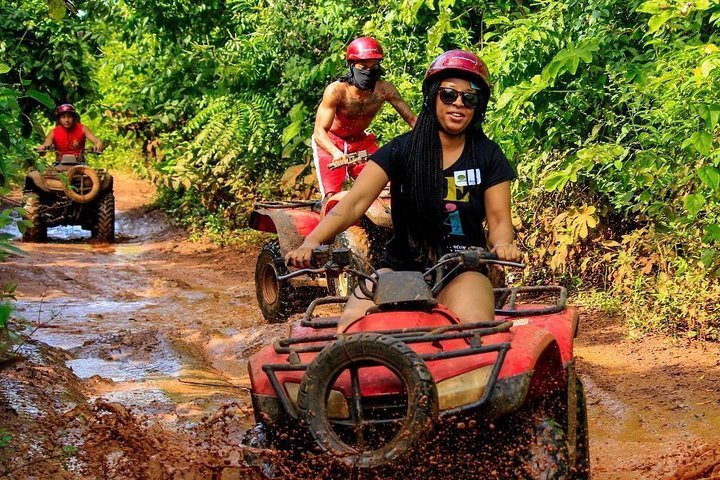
point(337, 406)
point(463, 389)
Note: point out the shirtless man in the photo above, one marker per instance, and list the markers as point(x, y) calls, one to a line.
point(347, 108)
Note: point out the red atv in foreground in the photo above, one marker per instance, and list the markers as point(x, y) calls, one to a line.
point(407, 391)
point(292, 222)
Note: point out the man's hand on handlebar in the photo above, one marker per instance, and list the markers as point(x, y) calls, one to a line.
point(301, 257)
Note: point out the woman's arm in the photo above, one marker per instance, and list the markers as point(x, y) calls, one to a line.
point(501, 235)
point(353, 205)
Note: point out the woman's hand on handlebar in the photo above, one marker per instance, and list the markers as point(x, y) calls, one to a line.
point(508, 252)
point(301, 257)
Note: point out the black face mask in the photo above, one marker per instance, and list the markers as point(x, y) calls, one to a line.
point(364, 79)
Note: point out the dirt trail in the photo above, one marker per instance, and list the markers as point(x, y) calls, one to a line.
point(159, 329)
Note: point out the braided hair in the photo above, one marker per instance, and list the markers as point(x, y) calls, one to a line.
point(422, 182)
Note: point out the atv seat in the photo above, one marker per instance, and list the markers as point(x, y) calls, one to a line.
point(68, 159)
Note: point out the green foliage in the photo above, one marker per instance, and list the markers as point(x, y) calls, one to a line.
point(231, 145)
point(47, 50)
point(7, 293)
point(5, 438)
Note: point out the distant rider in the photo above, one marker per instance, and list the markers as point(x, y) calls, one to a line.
point(68, 136)
point(348, 106)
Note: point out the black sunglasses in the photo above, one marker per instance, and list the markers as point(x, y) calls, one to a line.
point(449, 95)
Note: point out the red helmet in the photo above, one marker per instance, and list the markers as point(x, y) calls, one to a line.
point(462, 61)
point(66, 108)
point(364, 48)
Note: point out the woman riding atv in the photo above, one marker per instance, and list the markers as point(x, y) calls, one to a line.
point(68, 136)
point(446, 177)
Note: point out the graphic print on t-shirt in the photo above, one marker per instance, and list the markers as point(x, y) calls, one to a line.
point(464, 178)
point(453, 219)
point(456, 193)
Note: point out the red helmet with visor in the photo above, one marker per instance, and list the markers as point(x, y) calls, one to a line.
point(66, 108)
point(364, 48)
point(460, 61)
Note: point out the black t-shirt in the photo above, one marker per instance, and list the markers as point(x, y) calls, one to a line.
point(465, 184)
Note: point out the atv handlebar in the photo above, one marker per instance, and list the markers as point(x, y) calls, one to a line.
point(52, 149)
point(473, 258)
point(350, 159)
point(334, 261)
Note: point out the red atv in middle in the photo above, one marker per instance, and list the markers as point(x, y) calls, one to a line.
point(401, 389)
point(292, 221)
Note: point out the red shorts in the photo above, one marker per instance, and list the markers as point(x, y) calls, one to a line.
point(331, 180)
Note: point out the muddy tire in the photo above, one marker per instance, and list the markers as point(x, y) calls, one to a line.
point(104, 229)
point(277, 300)
point(581, 463)
point(256, 441)
point(546, 455)
point(355, 438)
point(37, 232)
point(357, 240)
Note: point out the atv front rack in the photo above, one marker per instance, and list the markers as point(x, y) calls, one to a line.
point(506, 300)
point(473, 332)
point(507, 303)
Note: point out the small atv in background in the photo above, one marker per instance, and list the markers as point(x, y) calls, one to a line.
point(292, 221)
point(69, 193)
point(408, 391)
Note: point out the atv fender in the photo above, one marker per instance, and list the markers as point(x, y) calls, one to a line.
point(378, 213)
point(537, 352)
point(291, 225)
point(36, 180)
point(106, 181)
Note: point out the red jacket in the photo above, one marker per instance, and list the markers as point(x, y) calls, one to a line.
point(69, 141)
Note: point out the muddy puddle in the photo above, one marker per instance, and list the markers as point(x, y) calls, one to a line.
point(156, 332)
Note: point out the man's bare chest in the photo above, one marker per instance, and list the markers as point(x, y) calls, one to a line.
point(355, 107)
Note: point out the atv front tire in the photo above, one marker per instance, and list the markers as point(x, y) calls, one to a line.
point(277, 300)
point(37, 232)
point(558, 449)
point(581, 447)
point(546, 456)
point(105, 225)
point(363, 439)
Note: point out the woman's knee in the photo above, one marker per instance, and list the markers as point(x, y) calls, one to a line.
point(470, 296)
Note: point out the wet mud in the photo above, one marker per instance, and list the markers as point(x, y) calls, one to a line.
point(136, 368)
